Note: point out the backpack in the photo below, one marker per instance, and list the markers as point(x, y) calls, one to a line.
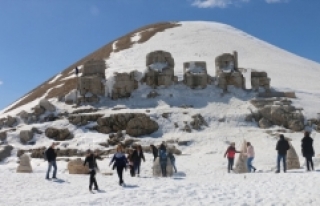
point(163, 155)
point(45, 155)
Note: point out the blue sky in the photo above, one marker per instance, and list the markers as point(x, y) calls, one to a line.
point(39, 38)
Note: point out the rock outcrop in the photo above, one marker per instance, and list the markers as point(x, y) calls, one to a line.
point(26, 136)
point(5, 151)
point(58, 134)
point(140, 126)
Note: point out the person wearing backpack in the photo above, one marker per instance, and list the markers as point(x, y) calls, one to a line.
point(173, 161)
point(137, 156)
point(163, 159)
point(50, 156)
point(93, 166)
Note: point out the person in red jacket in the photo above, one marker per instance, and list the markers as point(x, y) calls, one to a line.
point(230, 153)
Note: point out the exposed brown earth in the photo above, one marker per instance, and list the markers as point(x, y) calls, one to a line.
point(104, 52)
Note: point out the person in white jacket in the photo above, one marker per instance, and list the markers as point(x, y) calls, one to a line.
point(250, 157)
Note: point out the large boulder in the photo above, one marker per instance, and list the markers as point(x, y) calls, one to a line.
point(296, 125)
point(24, 166)
point(38, 110)
point(10, 121)
point(47, 105)
point(3, 136)
point(264, 123)
point(76, 167)
point(25, 136)
point(156, 168)
point(58, 134)
point(141, 126)
point(241, 164)
point(5, 151)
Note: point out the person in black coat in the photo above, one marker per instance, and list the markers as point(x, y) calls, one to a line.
point(93, 166)
point(51, 158)
point(282, 148)
point(307, 149)
point(154, 151)
point(137, 156)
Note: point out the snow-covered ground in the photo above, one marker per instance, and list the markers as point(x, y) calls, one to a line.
point(202, 178)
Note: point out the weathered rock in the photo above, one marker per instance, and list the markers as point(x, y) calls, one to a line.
point(165, 115)
point(38, 110)
point(3, 136)
point(47, 105)
point(184, 142)
point(187, 128)
point(5, 151)
point(264, 123)
point(241, 164)
point(296, 125)
point(58, 134)
point(76, 167)
point(36, 130)
point(24, 166)
point(25, 136)
point(292, 159)
point(141, 126)
point(197, 122)
point(157, 169)
point(10, 121)
point(128, 142)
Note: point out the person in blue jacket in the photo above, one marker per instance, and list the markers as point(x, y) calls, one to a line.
point(120, 163)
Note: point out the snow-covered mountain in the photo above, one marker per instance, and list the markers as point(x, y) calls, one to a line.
point(203, 179)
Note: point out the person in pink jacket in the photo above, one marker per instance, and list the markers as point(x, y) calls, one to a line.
point(250, 157)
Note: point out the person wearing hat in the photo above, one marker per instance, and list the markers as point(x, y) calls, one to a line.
point(230, 153)
point(93, 166)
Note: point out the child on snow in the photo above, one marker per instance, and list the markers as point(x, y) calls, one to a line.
point(230, 153)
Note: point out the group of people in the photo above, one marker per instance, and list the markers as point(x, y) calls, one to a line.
point(282, 147)
point(119, 162)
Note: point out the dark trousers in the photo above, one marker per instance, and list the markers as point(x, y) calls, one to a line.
point(163, 165)
point(120, 173)
point(131, 170)
point(284, 160)
point(309, 162)
point(136, 166)
point(230, 163)
point(93, 180)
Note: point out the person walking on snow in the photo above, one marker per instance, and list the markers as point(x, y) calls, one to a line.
point(154, 151)
point(173, 161)
point(307, 149)
point(250, 156)
point(120, 163)
point(130, 160)
point(282, 148)
point(93, 166)
point(51, 158)
point(137, 156)
point(163, 159)
point(230, 153)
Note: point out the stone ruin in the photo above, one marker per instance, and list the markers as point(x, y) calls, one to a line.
point(160, 69)
point(241, 164)
point(292, 159)
point(91, 83)
point(260, 79)
point(227, 71)
point(76, 167)
point(124, 85)
point(195, 74)
point(24, 166)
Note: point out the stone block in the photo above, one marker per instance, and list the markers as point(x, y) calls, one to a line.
point(24, 165)
point(156, 168)
point(76, 167)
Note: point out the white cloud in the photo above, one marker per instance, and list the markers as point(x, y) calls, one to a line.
point(216, 3)
point(276, 1)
